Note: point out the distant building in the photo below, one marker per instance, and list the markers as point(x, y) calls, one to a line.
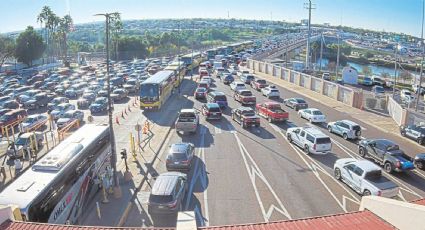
point(326, 24)
point(304, 22)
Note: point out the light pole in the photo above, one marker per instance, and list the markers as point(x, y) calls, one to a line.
point(178, 56)
point(117, 188)
point(337, 58)
point(307, 56)
point(395, 68)
point(193, 41)
point(419, 89)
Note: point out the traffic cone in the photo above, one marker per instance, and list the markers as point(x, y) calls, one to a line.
point(117, 121)
point(122, 114)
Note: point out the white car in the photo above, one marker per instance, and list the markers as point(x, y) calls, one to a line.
point(270, 91)
point(313, 115)
point(208, 79)
point(33, 122)
point(406, 96)
point(237, 85)
point(364, 177)
point(61, 109)
point(310, 139)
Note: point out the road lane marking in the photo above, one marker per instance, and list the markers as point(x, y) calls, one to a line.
point(217, 129)
point(315, 168)
point(231, 128)
point(419, 173)
point(254, 171)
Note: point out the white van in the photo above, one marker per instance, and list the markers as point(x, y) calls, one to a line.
point(310, 139)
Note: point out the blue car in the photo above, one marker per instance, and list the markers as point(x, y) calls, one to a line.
point(228, 79)
point(367, 81)
point(99, 105)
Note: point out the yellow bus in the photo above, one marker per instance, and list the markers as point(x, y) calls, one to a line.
point(179, 70)
point(156, 90)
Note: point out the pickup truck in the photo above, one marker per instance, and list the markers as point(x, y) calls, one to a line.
point(187, 121)
point(246, 117)
point(245, 97)
point(25, 142)
point(364, 177)
point(258, 84)
point(272, 111)
point(387, 154)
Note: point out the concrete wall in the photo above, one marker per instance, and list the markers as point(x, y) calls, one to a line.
point(396, 111)
point(330, 89)
point(402, 215)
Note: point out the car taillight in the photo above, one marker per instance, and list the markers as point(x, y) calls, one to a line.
point(172, 204)
point(314, 146)
point(379, 193)
point(208, 113)
point(397, 164)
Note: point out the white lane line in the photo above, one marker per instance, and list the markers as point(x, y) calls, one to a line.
point(206, 213)
point(231, 128)
point(217, 129)
point(419, 173)
point(315, 167)
point(254, 171)
point(356, 156)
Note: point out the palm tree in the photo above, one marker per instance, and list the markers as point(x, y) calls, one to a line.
point(116, 27)
point(42, 18)
point(64, 27)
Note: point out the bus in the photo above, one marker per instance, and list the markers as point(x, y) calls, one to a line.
point(188, 59)
point(211, 54)
point(156, 90)
point(58, 187)
point(179, 70)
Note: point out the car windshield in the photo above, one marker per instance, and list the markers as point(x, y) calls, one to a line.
point(21, 141)
point(29, 120)
point(220, 98)
point(300, 101)
point(246, 93)
point(178, 156)
point(160, 199)
point(379, 90)
point(317, 112)
point(407, 93)
point(5, 118)
point(201, 90)
point(263, 82)
point(248, 113)
point(214, 109)
point(68, 115)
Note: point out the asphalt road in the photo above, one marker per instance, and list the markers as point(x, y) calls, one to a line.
point(255, 175)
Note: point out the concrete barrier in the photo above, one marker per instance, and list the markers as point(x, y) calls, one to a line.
point(396, 111)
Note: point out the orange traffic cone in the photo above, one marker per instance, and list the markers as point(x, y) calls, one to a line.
point(117, 121)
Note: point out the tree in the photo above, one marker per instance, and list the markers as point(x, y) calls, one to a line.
point(385, 75)
point(132, 47)
point(29, 46)
point(406, 76)
point(366, 70)
point(116, 26)
point(7, 48)
point(65, 26)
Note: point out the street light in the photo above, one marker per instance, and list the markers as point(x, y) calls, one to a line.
point(117, 188)
point(419, 88)
point(397, 47)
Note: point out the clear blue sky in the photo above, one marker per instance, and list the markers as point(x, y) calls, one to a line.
point(389, 15)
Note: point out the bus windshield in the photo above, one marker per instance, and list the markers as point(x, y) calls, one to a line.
point(149, 92)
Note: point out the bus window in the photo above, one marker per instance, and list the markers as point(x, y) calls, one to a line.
point(149, 92)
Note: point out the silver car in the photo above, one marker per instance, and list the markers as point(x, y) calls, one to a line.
point(345, 128)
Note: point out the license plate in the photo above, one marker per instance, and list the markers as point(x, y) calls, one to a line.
point(161, 206)
point(214, 114)
point(176, 163)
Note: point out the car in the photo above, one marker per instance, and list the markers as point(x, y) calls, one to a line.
point(326, 76)
point(204, 84)
point(310, 139)
point(167, 193)
point(25, 143)
point(243, 72)
point(245, 97)
point(364, 177)
point(246, 117)
point(12, 117)
point(219, 72)
point(386, 153)
point(33, 122)
point(270, 92)
point(296, 103)
point(217, 97)
point(130, 88)
point(61, 109)
point(258, 84)
point(247, 78)
point(99, 105)
point(272, 111)
point(313, 115)
point(102, 93)
point(414, 132)
point(85, 100)
point(211, 111)
point(237, 85)
point(4, 111)
point(208, 79)
point(228, 79)
point(71, 93)
point(11, 104)
point(378, 91)
point(345, 128)
point(180, 157)
point(200, 93)
point(367, 81)
point(56, 101)
point(119, 94)
point(419, 161)
point(416, 87)
point(406, 96)
point(69, 117)
point(187, 121)
point(39, 100)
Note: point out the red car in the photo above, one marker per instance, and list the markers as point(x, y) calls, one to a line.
point(272, 111)
point(200, 93)
point(258, 84)
point(12, 117)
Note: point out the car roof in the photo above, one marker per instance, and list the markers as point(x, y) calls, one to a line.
point(212, 105)
point(165, 183)
point(187, 110)
point(179, 147)
point(244, 108)
point(34, 115)
point(271, 103)
point(366, 165)
point(315, 132)
point(216, 93)
point(348, 122)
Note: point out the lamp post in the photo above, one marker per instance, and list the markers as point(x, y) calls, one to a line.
point(117, 188)
point(419, 89)
point(395, 67)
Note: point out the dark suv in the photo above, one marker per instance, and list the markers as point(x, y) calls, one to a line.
point(387, 154)
point(414, 132)
point(217, 97)
point(211, 111)
point(180, 156)
point(167, 193)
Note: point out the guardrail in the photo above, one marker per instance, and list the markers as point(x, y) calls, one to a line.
point(65, 129)
point(11, 127)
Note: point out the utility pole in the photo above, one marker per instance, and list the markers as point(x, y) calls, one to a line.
point(193, 42)
point(178, 55)
point(419, 90)
point(395, 69)
point(321, 51)
point(117, 188)
point(337, 58)
point(307, 56)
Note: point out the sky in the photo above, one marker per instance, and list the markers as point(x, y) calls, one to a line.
point(382, 15)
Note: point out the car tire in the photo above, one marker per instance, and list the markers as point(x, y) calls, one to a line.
point(337, 174)
point(330, 129)
point(388, 167)
point(362, 152)
point(403, 133)
point(289, 138)
point(306, 150)
point(419, 165)
point(310, 120)
point(366, 193)
point(420, 141)
point(270, 119)
point(345, 136)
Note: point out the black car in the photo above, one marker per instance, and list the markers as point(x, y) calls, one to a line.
point(246, 117)
point(99, 105)
point(11, 104)
point(296, 103)
point(180, 156)
point(414, 132)
point(167, 193)
point(247, 78)
point(211, 111)
point(228, 79)
point(419, 161)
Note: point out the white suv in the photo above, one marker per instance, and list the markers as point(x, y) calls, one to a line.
point(237, 85)
point(270, 91)
point(347, 129)
point(310, 139)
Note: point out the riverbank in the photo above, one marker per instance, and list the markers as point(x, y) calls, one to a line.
point(380, 62)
